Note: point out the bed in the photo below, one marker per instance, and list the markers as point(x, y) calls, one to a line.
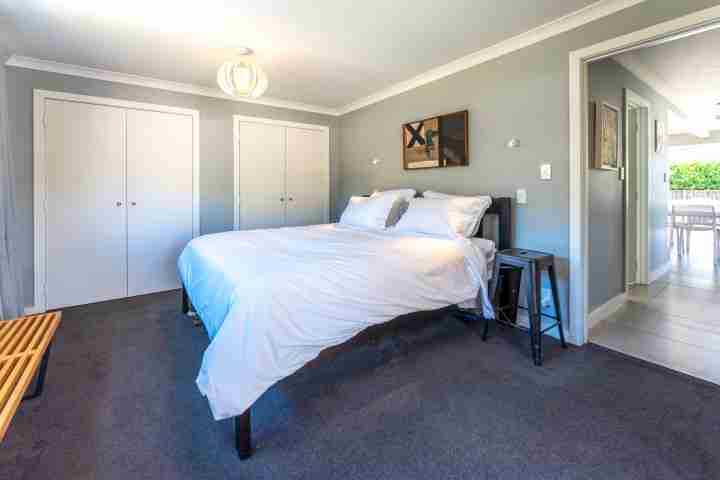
point(273, 300)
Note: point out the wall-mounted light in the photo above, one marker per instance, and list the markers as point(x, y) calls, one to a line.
point(375, 161)
point(513, 143)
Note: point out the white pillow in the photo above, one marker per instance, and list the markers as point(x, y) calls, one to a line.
point(406, 194)
point(403, 196)
point(487, 201)
point(368, 211)
point(447, 217)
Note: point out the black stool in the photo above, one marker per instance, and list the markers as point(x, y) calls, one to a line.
point(534, 262)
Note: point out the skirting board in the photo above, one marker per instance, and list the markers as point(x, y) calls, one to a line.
point(658, 273)
point(32, 310)
point(524, 321)
point(606, 309)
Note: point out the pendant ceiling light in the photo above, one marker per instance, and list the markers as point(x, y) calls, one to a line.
point(242, 76)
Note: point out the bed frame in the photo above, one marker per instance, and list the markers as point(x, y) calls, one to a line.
point(501, 208)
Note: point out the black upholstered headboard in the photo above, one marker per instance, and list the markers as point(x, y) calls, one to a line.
point(502, 207)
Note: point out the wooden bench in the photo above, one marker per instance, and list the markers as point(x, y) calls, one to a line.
point(24, 345)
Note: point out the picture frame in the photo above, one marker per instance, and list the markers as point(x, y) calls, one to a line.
point(607, 137)
point(436, 142)
point(660, 136)
point(591, 133)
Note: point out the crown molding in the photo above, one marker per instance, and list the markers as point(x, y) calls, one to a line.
point(592, 12)
point(138, 80)
point(647, 76)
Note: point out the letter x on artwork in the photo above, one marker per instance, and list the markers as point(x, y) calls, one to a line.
point(416, 136)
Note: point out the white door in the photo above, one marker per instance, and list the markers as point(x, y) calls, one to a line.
point(261, 172)
point(85, 203)
point(307, 177)
point(631, 175)
point(159, 195)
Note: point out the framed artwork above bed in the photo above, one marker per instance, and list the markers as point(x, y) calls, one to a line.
point(436, 142)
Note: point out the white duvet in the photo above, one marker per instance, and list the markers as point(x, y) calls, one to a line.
point(271, 300)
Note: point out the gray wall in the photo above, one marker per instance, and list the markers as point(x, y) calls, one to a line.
point(523, 94)
point(607, 81)
point(216, 148)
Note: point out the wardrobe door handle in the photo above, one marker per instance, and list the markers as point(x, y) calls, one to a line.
point(290, 199)
point(133, 204)
point(282, 199)
point(118, 204)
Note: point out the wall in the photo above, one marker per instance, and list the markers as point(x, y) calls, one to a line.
point(607, 80)
point(523, 94)
point(216, 148)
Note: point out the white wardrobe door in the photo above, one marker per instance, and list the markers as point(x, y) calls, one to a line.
point(159, 194)
point(262, 175)
point(85, 204)
point(307, 177)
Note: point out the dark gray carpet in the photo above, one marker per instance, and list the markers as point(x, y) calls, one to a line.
point(427, 400)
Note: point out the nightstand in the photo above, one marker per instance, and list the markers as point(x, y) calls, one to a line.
point(533, 262)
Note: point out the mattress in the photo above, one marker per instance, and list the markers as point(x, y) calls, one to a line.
point(272, 300)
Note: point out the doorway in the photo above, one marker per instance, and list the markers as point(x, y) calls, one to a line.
point(635, 172)
point(667, 313)
point(704, 20)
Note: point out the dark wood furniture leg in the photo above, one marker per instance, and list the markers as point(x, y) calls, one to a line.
point(187, 308)
point(185, 302)
point(243, 434)
point(535, 286)
point(533, 300)
point(493, 297)
point(42, 372)
point(556, 302)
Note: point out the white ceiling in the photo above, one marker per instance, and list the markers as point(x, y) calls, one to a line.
point(688, 70)
point(321, 52)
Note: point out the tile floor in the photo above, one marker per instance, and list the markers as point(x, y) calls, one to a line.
point(675, 321)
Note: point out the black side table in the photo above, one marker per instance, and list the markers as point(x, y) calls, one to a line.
point(534, 263)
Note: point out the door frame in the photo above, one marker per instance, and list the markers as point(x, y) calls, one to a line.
point(39, 174)
point(280, 123)
point(645, 137)
point(579, 153)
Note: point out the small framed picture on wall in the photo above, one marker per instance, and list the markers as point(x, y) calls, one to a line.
point(660, 136)
point(607, 137)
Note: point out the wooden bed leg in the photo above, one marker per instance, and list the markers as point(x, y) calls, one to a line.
point(187, 310)
point(185, 302)
point(243, 432)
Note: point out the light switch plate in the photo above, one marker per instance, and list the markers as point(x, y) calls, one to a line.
point(545, 171)
point(521, 196)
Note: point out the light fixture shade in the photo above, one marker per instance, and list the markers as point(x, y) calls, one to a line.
point(242, 77)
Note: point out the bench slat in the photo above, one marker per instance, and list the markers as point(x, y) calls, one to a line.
point(9, 333)
point(10, 381)
point(22, 336)
point(23, 343)
point(40, 333)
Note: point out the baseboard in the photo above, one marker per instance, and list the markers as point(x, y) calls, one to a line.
point(606, 309)
point(523, 321)
point(658, 273)
point(32, 310)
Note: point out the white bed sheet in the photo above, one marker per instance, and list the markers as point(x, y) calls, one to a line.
point(272, 300)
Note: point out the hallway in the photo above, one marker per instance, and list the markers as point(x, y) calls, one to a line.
point(675, 321)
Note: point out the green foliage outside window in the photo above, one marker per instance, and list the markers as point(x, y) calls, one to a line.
point(695, 176)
